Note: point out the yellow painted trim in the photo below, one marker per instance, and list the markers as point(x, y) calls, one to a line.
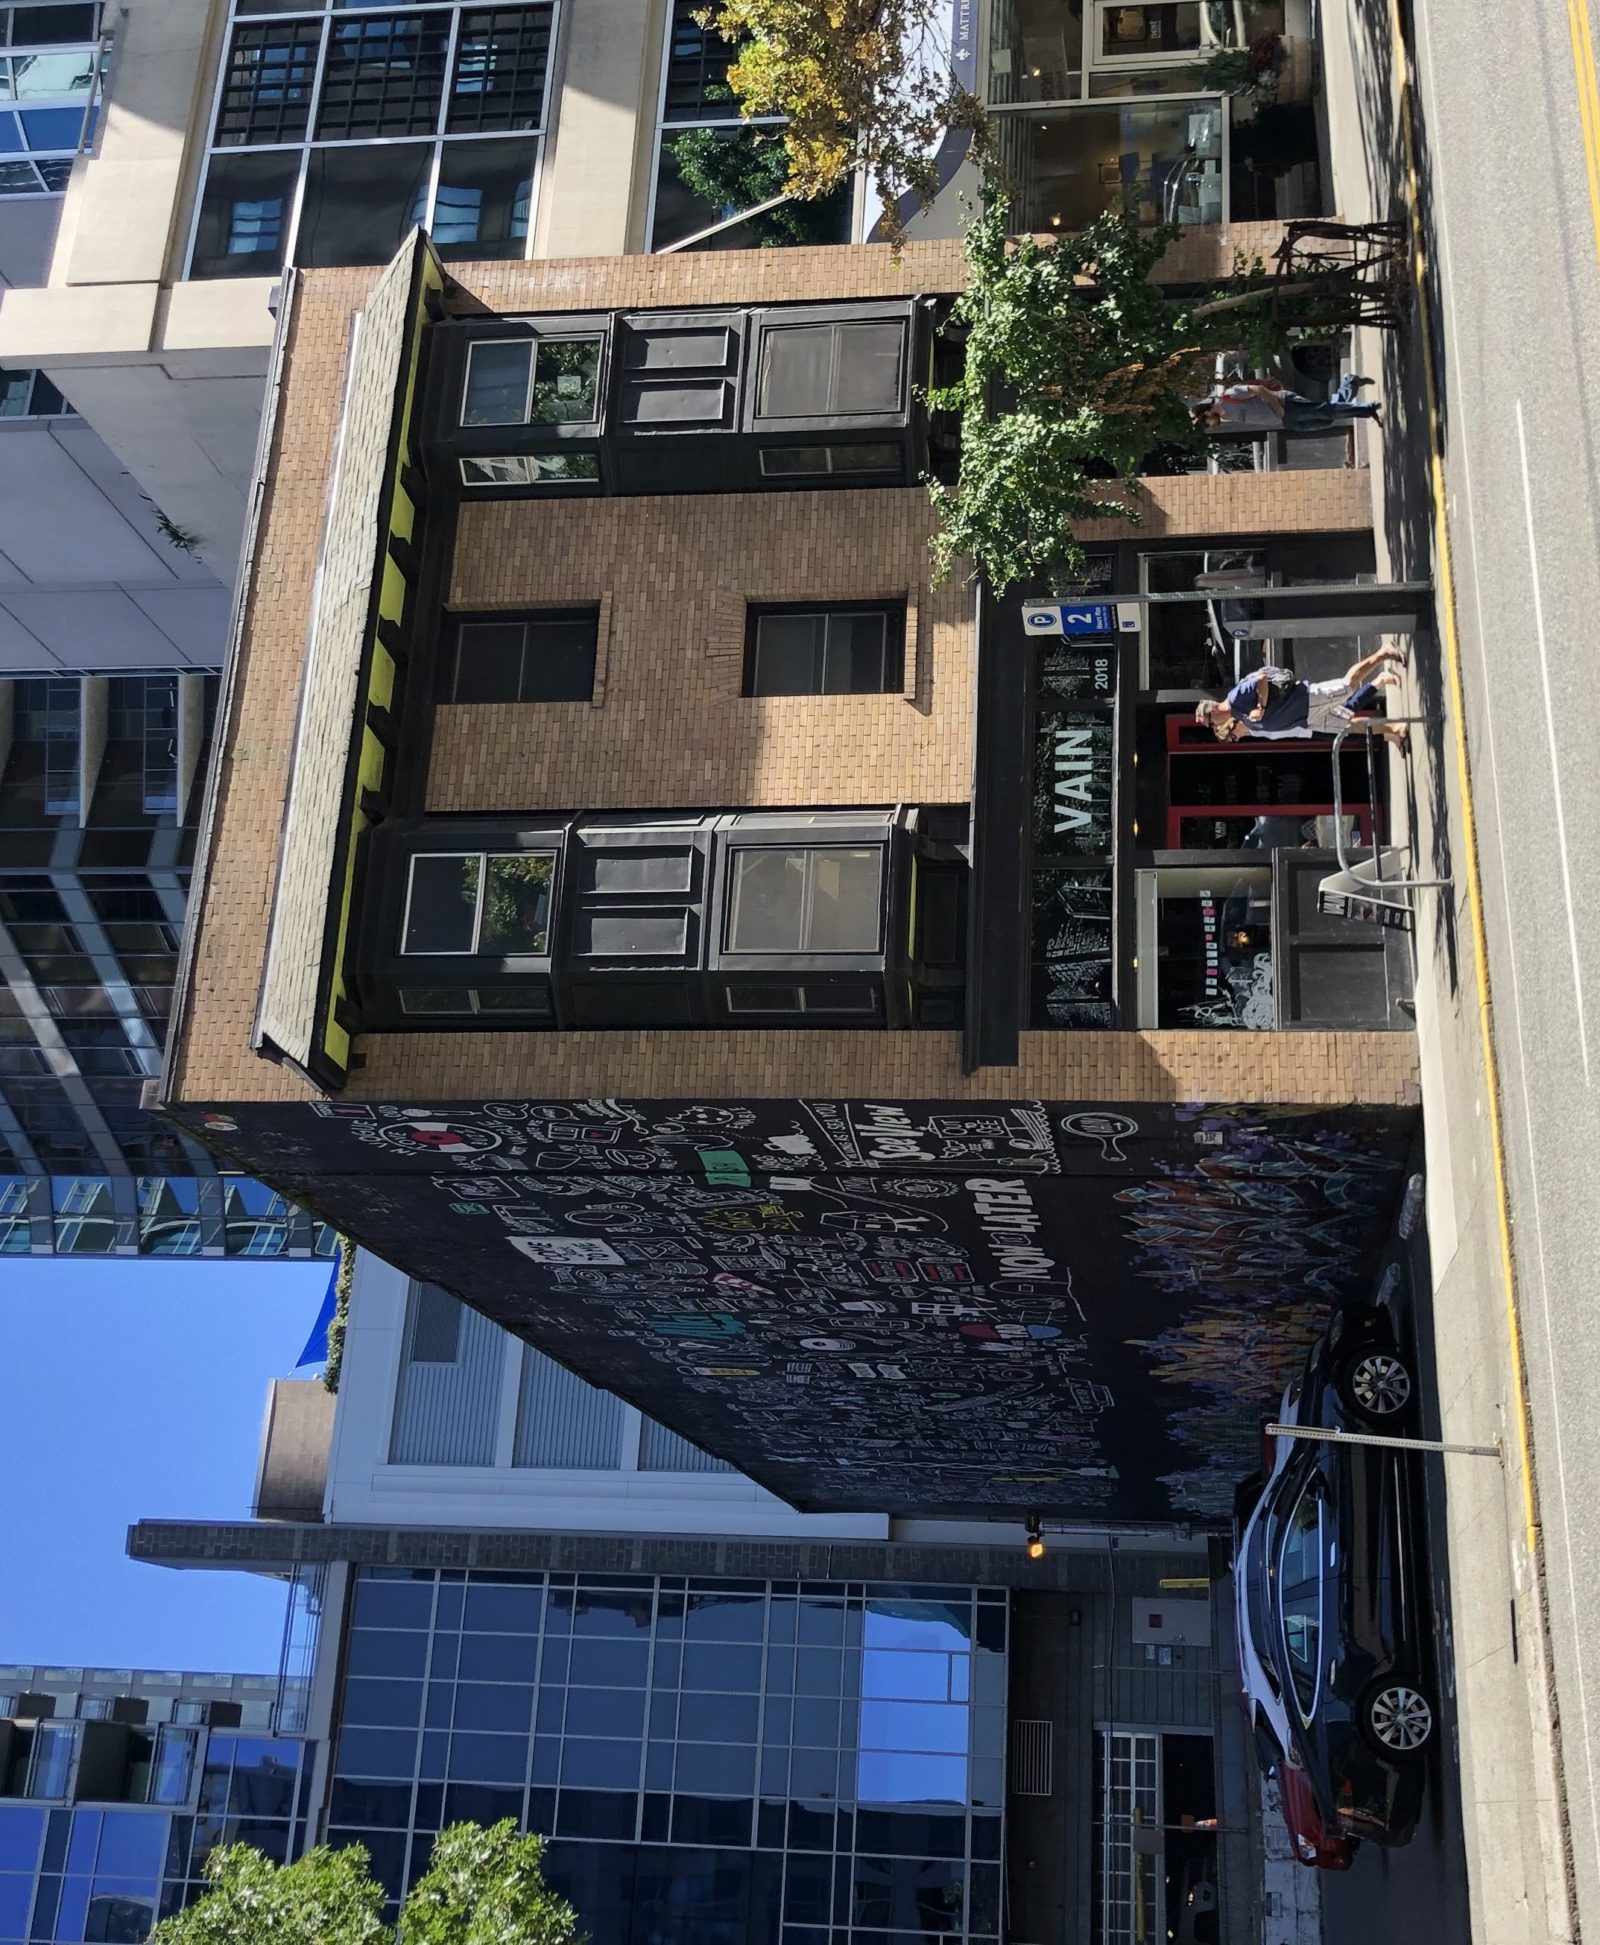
point(1444, 580)
point(399, 517)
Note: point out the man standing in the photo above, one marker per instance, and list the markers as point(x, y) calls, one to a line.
point(1275, 704)
point(1262, 405)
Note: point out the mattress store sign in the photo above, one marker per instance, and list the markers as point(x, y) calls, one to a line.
point(1073, 773)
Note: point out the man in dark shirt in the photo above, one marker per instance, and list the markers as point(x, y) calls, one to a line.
point(1276, 705)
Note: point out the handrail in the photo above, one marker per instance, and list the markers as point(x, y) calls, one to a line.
point(1368, 726)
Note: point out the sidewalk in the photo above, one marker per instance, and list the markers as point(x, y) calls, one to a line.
point(1493, 1643)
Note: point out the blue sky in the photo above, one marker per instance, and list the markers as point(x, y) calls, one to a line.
point(134, 1390)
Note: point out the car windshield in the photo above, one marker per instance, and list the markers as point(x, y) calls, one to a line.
point(1253, 1566)
point(1300, 1596)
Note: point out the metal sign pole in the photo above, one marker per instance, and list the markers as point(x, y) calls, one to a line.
point(1320, 1435)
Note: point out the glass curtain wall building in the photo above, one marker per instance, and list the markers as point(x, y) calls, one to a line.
point(727, 1761)
point(335, 133)
point(99, 803)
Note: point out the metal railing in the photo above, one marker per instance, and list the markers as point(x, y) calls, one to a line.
point(1378, 882)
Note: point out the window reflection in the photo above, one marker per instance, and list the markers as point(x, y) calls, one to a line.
point(846, 1732)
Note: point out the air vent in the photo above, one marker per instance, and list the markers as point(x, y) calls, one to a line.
point(1032, 1757)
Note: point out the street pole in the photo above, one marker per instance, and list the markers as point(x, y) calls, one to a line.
point(1320, 1435)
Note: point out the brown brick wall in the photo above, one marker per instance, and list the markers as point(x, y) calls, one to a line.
point(212, 1057)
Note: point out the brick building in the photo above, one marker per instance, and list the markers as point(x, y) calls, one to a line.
point(773, 985)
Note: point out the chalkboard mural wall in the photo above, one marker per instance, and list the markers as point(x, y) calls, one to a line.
point(913, 1308)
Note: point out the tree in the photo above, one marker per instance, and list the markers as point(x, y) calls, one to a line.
point(1077, 372)
point(857, 83)
point(738, 169)
point(482, 1887)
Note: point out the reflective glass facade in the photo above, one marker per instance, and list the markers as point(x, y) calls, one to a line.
point(108, 1872)
point(716, 1761)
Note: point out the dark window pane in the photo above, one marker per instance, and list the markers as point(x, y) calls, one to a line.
point(382, 1705)
point(910, 1833)
point(566, 378)
point(504, 1610)
point(605, 1663)
point(376, 1752)
point(482, 1705)
point(596, 1813)
point(488, 1759)
point(383, 75)
point(484, 199)
point(516, 904)
point(823, 899)
point(244, 215)
point(501, 57)
point(617, 1616)
point(52, 26)
point(711, 1820)
point(697, 69)
point(716, 1617)
point(266, 86)
point(21, 1833)
point(361, 203)
point(388, 1804)
point(441, 912)
point(435, 1326)
point(497, 382)
point(722, 1717)
point(789, 655)
point(603, 1711)
point(497, 1658)
point(830, 370)
point(488, 665)
point(715, 1769)
point(373, 1652)
point(480, 1803)
point(718, 1667)
point(559, 666)
point(594, 1765)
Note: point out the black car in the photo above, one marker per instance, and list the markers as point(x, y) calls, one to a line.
point(1330, 1586)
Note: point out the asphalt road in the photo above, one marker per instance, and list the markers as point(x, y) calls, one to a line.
point(1417, 1892)
point(1511, 204)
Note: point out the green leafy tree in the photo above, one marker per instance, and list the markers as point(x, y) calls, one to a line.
point(738, 169)
point(1078, 370)
point(857, 83)
point(324, 1898)
point(482, 1887)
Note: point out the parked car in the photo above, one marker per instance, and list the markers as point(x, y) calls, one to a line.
point(1330, 1617)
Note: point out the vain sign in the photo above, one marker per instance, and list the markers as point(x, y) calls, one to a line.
point(1073, 768)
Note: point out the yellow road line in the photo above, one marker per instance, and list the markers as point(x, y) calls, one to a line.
point(1444, 583)
point(1588, 102)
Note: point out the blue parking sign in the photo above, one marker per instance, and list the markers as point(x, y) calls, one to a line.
point(1068, 618)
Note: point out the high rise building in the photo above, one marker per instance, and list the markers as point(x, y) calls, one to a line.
point(115, 1783)
point(112, 632)
point(244, 141)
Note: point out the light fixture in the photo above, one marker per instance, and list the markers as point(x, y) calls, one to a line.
point(1035, 1538)
point(1055, 221)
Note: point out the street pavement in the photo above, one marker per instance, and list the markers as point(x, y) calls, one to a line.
point(1508, 196)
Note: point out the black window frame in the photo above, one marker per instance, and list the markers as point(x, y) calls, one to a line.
point(529, 620)
point(815, 831)
point(891, 611)
point(576, 327)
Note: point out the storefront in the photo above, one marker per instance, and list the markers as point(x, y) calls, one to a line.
point(1167, 879)
point(1100, 105)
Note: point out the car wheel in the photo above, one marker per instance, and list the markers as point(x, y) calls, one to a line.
point(1399, 1719)
point(1378, 1385)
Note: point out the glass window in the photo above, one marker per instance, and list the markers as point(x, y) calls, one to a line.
point(381, 1704)
point(494, 1706)
point(824, 898)
point(1300, 1596)
point(843, 370)
point(393, 1603)
point(442, 904)
point(884, 1776)
point(539, 658)
point(496, 391)
point(1212, 965)
point(708, 175)
point(1153, 161)
point(566, 376)
point(492, 1609)
point(266, 86)
point(484, 200)
point(805, 462)
point(488, 1758)
point(361, 203)
point(133, 1844)
point(501, 57)
point(826, 652)
point(383, 75)
point(244, 214)
point(173, 1766)
point(21, 1833)
point(531, 469)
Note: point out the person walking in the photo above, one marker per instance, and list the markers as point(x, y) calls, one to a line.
point(1263, 405)
point(1275, 705)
